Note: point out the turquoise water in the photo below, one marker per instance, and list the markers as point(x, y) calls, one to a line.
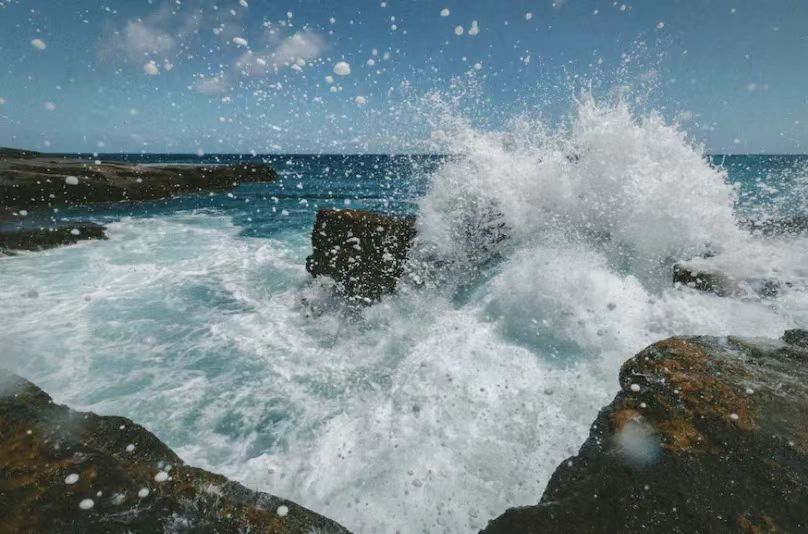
point(441, 406)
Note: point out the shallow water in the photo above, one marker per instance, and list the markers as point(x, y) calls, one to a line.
point(438, 408)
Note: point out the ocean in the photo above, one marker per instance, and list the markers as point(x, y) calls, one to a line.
point(443, 405)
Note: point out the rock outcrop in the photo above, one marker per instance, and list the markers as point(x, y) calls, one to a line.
point(707, 435)
point(723, 284)
point(65, 471)
point(30, 181)
point(50, 237)
point(363, 252)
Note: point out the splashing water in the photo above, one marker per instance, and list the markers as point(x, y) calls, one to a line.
point(438, 408)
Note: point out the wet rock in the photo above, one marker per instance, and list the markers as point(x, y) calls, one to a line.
point(44, 181)
point(791, 226)
point(66, 471)
point(707, 435)
point(711, 282)
point(50, 237)
point(796, 337)
point(363, 252)
point(722, 284)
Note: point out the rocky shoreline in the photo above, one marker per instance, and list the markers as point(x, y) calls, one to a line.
point(706, 435)
point(31, 181)
point(67, 471)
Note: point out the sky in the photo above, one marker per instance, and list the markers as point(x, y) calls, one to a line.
point(271, 76)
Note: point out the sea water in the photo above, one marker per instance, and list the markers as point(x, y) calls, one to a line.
point(543, 262)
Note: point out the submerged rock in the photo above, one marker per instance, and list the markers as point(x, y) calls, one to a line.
point(31, 181)
point(707, 435)
point(363, 252)
point(51, 237)
point(66, 471)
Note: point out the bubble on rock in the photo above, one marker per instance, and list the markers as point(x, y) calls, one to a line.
point(161, 476)
point(72, 478)
point(143, 493)
point(71, 180)
point(283, 510)
point(86, 504)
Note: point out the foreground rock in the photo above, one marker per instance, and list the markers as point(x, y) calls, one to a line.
point(363, 252)
point(707, 435)
point(65, 471)
point(30, 180)
point(45, 238)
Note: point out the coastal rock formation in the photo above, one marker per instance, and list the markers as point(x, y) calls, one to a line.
point(711, 282)
point(41, 181)
point(65, 471)
point(722, 284)
point(50, 237)
point(707, 435)
point(363, 252)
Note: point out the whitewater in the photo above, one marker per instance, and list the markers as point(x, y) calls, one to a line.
point(543, 261)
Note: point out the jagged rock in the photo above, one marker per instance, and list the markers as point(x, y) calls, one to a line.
point(51, 237)
point(707, 435)
point(66, 471)
point(363, 252)
point(41, 181)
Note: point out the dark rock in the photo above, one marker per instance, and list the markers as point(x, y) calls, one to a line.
point(38, 182)
point(44, 238)
point(707, 435)
point(723, 284)
point(785, 226)
point(711, 282)
point(796, 337)
point(363, 252)
point(41, 443)
point(16, 153)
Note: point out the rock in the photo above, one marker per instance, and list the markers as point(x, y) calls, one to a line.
point(363, 252)
point(711, 282)
point(65, 471)
point(707, 435)
point(16, 153)
point(796, 337)
point(44, 181)
point(44, 238)
point(790, 226)
point(722, 284)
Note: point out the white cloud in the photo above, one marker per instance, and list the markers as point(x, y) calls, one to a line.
point(158, 36)
point(293, 51)
point(213, 85)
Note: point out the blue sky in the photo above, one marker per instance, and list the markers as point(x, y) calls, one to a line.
point(240, 76)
